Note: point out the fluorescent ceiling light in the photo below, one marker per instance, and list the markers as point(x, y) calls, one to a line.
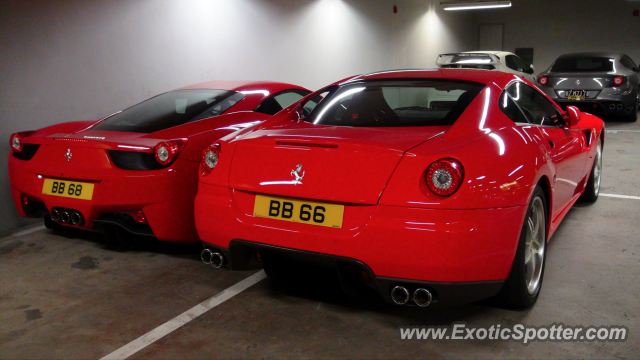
point(475, 5)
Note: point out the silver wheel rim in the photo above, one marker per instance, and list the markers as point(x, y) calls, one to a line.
point(534, 246)
point(597, 169)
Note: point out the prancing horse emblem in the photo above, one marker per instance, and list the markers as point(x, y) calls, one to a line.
point(68, 155)
point(296, 172)
point(577, 82)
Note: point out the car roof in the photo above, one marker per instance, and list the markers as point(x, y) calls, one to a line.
point(593, 54)
point(475, 75)
point(269, 86)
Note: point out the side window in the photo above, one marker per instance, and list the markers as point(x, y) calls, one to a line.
point(535, 106)
point(279, 101)
point(514, 63)
point(509, 108)
point(312, 103)
point(220, 107)
point(287, 98)
point(510, 63)
point(628, 63)
point(520, 64)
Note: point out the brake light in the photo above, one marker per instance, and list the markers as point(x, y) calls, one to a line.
point(15, 141)
point(618, 80)
point(210, 156)
point(444, 177)
point(167, 151)
point(543, 80)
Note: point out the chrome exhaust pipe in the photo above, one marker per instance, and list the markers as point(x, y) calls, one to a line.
point(422, 297)
point(55, 215)
point(64, 217)
point(205, 256)
point(217, 260)
point(76, 218)
point(620, 106)
point(612, 106)
point(400, 295)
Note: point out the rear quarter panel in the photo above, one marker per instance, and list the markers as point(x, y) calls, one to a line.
point(502, 161)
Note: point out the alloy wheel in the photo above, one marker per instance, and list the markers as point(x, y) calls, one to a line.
point(597, 169)
point(535, 245)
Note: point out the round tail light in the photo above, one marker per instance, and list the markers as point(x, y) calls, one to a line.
point(444, 177)
point(16, 142)
point(618, 80)
point(167, 151)
point(543, 80)
point(210, 156)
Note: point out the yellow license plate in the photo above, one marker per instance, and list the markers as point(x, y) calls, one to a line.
point(303, 212)
point(69, 189)
point(577, 95)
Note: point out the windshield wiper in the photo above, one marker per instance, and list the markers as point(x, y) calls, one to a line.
point(413, 108)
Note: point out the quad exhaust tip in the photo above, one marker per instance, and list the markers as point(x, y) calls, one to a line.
point(76, 218)
point(620, 106)
point(422, 297)
point(612, 106)
point(55, 215)
point(400, 295)
point(215, 259)
point(65, 217)
point(205, 255)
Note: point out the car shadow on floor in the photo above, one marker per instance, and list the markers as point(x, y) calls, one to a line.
point(143, 244)
point(322, 285)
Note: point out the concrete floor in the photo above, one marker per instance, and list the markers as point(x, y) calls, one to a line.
point(70, 296)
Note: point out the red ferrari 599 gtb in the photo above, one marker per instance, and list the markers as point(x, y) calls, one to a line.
point(427, 186)
point(135, 172)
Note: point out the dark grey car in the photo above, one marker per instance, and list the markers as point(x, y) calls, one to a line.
point(604, 84)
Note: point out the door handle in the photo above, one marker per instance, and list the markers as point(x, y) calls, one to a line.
point(552, 144)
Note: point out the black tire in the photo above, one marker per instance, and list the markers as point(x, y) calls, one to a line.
point(633, 117)
point(592, 189)
point(515, 293)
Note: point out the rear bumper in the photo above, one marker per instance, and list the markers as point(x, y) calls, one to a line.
point(599, 107)
point(241, 256)
point(605, 103)
point(396, 243)
point(165, 196)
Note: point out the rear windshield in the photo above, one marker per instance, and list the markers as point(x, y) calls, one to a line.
point(171, 109)
point(583, 64)
point(396, 103)
point(465, 61)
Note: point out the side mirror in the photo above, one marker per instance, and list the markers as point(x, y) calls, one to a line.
point(574, 115)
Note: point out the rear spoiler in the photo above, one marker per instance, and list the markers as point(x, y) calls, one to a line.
point(446, 59)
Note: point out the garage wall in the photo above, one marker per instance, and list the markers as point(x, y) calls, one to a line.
point(555, 27)
point(77, 60)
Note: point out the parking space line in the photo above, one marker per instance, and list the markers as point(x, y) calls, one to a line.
point(184, 318)
point(24, 232)
point(621, 196)
point(616, 131)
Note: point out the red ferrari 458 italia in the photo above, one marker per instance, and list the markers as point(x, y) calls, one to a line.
point(135, 172)
point(427, 186)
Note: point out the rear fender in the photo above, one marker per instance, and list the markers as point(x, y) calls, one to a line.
point(500, 170)
point(219, 176)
